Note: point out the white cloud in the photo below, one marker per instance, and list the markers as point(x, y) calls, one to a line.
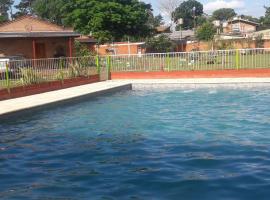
point(214, 5)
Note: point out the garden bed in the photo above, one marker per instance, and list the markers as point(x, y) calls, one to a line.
point(27, 90)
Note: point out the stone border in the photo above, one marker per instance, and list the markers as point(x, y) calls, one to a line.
point(26, 105)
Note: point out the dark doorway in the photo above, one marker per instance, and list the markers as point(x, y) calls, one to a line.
point(40, 50)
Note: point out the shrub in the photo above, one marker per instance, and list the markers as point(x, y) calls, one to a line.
point(29, 76)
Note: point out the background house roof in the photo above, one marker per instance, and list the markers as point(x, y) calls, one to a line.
point(180, 35)
point(29, 26)
point(243, 21)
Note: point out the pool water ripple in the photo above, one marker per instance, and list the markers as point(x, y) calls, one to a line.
point(142, 144)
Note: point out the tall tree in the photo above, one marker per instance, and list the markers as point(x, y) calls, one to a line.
point(155, 21)
point(109, 20)
point(5, 9)
point(206, 32)
point(266, 18)
point(189, 11)
point(51, 10)
point(223, 14)
point(24, 8)
point(168, 7)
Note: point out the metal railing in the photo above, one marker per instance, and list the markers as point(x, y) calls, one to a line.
point(15, 73)
point(26, 72)
point(199, 60)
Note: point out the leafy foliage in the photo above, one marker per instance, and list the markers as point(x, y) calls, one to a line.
point(5, 6)
point(30, 76)
point(155, 21)
point(266, 19)
point(159, 44)
point(82, 50)
point(24, 8)
point(206, 32)
point(108, 20)
point(51, 10)
point(223, 14)
point(186, 12)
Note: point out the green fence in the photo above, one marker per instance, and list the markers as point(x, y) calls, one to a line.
point(200, 60)
point(14, 73)
point(26, 72)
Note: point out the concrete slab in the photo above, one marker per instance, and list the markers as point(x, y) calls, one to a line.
point(9, 107)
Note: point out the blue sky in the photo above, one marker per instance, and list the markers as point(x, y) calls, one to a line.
point(251, 7)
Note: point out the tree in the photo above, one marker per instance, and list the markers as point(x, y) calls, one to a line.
point(51, 10)
point(5, 8)
point(24, 8)
point(206, 32)
point(223, 14)
point(160, 44)
point(189, 11)
point(266, 18)
point(108, 20)
point(155, 21)
point(168, 7)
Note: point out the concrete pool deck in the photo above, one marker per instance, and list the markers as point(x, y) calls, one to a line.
point(11, 106)
point(28, 103)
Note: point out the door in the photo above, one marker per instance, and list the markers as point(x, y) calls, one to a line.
point(40, 50)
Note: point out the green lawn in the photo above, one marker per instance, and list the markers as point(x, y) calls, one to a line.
point(190, 62)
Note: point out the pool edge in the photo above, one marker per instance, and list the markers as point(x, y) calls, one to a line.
point(64, 101)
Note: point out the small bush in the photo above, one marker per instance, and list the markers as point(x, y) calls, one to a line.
point(29, 76)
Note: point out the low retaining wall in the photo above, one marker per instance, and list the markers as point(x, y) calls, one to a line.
point(241, 73)
point(46, 87)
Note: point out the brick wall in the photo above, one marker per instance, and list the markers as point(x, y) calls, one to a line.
point(23, 46)
point(120, 48)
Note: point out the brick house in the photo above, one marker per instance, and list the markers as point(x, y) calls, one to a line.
point(34, 38)
point(238, 25)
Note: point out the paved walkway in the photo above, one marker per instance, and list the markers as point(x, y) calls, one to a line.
point(38, 100)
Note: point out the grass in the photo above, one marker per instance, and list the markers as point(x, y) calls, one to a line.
point(189, 62)
point(183, 62)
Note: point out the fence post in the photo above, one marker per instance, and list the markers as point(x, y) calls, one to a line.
point(7, 78)
point(108, 62)
point(168, 61)
point(98, 66)
point(62, 70)
point(237, 59)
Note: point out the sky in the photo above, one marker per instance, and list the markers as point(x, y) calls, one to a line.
point(249, 7)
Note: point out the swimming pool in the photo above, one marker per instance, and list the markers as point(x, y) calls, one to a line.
point(142, 144)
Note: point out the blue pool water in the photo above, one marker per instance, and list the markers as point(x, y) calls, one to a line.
point(152, 144)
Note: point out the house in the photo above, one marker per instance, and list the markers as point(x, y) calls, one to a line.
point(33, 38)
point(239, 26)
point(120, 48)
point(163, 29)
point(88, 41)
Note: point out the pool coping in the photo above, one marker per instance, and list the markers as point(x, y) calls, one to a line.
point(23, 105)
point(26, 105)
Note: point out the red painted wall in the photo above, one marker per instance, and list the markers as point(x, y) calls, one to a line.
point(193, 74)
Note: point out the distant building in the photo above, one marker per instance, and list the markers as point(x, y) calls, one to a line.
point(88, 41)
point(33, 38)
point(181, 39)
point(163, 29)
point(120, 48)
point(239, 26)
